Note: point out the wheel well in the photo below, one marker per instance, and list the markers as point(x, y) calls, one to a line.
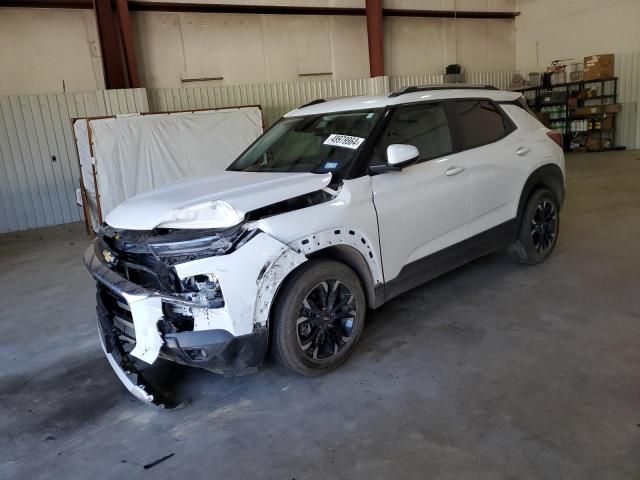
point(351, 258)
point(548, 176)
point(356, 262)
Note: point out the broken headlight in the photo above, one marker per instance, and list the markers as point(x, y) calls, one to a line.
point(185, 251)
point(204, 289)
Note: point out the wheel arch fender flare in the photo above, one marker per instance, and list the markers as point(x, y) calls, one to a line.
point(353, 248)
point(343, 244)
point(353, 259)
point(548, 176)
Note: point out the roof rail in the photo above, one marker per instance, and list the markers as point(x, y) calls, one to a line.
point(441, 86)
point(313, 102)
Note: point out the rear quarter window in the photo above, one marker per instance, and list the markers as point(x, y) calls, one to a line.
point(522, 103)
point(479, 122)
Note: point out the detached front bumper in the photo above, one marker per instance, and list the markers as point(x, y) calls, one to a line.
point(216, 350)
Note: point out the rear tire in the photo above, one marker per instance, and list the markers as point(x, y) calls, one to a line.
point(318, 317)
point(539, 228)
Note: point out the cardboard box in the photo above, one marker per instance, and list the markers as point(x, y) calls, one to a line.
point(582, 111)
point(588, 93)
point(607, 122)
point(597, 109)
point(594, 143)
point(612, 108)
point(597, 67)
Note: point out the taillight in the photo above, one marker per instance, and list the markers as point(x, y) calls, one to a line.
point(556, 137)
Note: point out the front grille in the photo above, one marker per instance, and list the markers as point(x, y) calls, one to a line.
point(125, 328)
point(140, 275)
point(140, 266)
point(117, 315)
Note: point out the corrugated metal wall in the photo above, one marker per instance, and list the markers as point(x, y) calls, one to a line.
point(279, 98)
point(398, 82)
point(502, 80)
point(35, 189)
point(498, 79)
point(627, 68)
point(274, 98)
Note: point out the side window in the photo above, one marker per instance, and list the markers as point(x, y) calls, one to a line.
point(424, 126)
point(479, 122)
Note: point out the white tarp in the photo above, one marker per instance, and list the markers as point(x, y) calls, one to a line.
point(136, 153)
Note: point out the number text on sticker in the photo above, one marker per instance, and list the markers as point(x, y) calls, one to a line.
point(345, 141)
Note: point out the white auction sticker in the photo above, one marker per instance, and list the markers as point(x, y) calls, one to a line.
point(346, 141)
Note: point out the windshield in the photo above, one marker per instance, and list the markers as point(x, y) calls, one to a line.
point(316, 143)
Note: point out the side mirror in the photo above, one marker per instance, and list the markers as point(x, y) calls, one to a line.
point(401, 155)
point(398, 156)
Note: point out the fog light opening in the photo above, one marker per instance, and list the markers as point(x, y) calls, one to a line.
point(205, 289)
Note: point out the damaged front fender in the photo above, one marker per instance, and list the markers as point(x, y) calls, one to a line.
point(249, 278)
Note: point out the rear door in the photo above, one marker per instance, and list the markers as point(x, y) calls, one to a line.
point(495, 151)
point(426, 206)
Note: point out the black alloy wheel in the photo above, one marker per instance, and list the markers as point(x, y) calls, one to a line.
point(544, 225)
point(539, 228)
point(318, 317)
point(325, 319)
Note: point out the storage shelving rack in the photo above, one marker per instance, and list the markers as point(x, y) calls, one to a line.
point(563, 117)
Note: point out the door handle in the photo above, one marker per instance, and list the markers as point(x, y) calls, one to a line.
point(522, 151)
point(449, 172)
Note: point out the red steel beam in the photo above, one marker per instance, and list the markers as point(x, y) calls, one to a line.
point(375, 36)
point(114, 74)
point(126, 39)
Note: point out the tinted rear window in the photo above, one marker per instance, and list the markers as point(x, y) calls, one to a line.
point(480, 122)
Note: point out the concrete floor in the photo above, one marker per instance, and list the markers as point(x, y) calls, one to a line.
point(496, 370)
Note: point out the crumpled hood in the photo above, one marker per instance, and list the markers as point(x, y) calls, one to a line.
point(216, 201)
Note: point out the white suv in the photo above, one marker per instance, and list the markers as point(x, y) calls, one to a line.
point(339, 207)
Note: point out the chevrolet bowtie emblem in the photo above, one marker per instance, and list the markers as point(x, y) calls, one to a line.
point(109, 257)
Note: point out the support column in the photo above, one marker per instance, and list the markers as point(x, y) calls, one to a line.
point(114, 74)
point(126, 38)
point(375, 36)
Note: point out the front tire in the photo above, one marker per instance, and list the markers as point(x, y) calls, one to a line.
point(539, 228)
point(318, 317)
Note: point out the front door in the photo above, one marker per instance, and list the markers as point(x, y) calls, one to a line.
point(426, 206)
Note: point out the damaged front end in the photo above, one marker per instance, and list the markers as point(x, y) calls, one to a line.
point(193, 297)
